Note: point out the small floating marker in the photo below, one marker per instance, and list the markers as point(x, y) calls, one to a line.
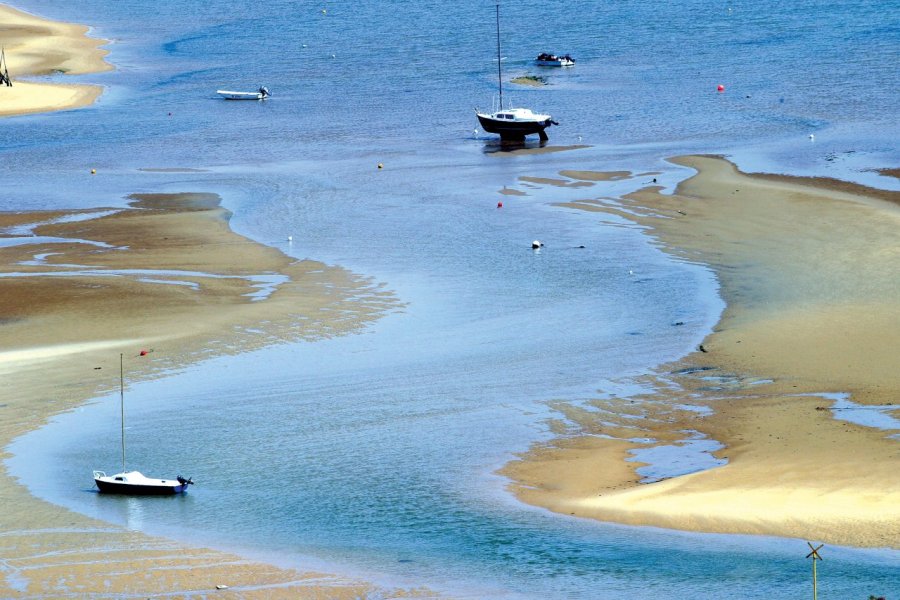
point(93, 171)
point(144, 352)
point(170, 114)
point(536, 244)
point(630, 272)
point(812, 137)
point(290, 238)
point(380, 166)
point(720, 88)
point(500, 204)
point(324, 11)
point(333, 56)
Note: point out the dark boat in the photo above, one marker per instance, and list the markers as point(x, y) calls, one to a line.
point(512, 124)
point(133, 482)
point(552, 60)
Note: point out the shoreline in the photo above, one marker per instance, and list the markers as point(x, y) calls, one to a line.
point(51, 550)
point(185, 215)
point(72, 303)
point(808, 312)
point(35, 46)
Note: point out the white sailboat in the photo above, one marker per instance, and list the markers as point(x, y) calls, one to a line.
point(512, 124)
point(134, 482)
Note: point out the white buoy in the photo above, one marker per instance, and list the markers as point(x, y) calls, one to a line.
point(630, 272)
point(536, 244)
point(812, 137)
point(290, 238)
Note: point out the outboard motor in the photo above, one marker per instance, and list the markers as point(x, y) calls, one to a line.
point(264, 91)
point(183, 481)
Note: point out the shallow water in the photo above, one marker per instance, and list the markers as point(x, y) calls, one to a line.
point(373, 454)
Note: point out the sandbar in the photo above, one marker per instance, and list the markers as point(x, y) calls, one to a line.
point(35, 47)
point(164, 275)
point(808, 270)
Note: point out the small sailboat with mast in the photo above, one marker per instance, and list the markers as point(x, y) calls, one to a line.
point(134, 482)
point(4, 69)
point(512, 124)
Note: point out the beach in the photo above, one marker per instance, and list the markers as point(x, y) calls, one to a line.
point(40, 47)
point(811, 312)
point(779, 390)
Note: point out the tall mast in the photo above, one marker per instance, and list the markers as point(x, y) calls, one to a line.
point(499, 73)
point(122, 403)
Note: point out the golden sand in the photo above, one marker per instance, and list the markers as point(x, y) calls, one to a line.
point(61, 329)
point(36, 46)
point(808, 269)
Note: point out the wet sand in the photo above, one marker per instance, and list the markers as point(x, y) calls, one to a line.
point(36, 47)
point(166, 275)
point(808, 269)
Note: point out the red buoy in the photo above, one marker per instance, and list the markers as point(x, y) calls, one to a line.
point(721, 88)
point(500, 204)
point(143, 353)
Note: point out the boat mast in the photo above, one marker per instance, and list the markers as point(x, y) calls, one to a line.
point(122, 403)
point(499, 73)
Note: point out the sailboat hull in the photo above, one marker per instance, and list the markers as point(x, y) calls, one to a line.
point(514, 130)
point(139, 490)
point(135, 484)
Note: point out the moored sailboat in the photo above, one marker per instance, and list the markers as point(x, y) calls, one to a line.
point(4, 69)
point(134, 482)
point(512, 124)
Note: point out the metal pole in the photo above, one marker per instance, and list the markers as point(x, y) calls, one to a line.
point(815, 591)
point(122, 403)
point(499, 73)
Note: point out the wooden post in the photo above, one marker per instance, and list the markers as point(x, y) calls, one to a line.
point(815, 556)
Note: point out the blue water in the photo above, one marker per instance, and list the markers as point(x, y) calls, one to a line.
point(374, 453)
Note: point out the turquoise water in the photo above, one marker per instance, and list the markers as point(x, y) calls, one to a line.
point(373, 455)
